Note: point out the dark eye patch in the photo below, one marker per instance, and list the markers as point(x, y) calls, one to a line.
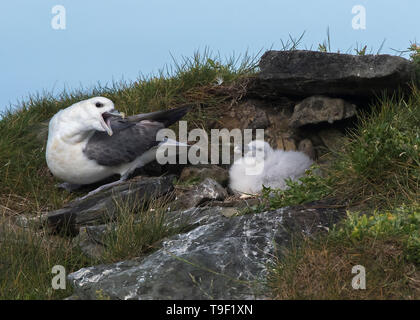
point(99, 104)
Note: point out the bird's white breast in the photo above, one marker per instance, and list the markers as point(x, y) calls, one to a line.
point(66, 160)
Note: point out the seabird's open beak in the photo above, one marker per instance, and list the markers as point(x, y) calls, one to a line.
point(107, 116)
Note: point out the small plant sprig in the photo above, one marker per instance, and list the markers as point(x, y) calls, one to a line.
point(310, 187)
point(361, 51)
point(414, 50)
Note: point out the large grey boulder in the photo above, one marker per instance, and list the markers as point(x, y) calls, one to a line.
point(306, 73)
point(101, 207)
point(220, 258)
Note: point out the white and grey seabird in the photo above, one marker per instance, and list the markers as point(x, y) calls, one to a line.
point(90, 141)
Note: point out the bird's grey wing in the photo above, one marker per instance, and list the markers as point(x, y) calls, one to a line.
point(127, 143)
point(167, 117)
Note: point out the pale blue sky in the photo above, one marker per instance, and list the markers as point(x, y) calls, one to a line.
point(108, 40)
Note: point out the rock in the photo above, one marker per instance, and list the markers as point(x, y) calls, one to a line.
point(198, 173)
point(286, 143)
point(319, 109)
point(221, 258)
point(91, 240)
point(249, 114)
point(195, 195)
point(229, 212)
point(101, 207)
point(272, 116)
point(27, 221)
point(237, 203)
point(332, 138)
point(307, 147)
point(192, 218)
point(306, 73)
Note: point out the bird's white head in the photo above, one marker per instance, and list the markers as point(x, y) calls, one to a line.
point(93, 114)
point(258, 149)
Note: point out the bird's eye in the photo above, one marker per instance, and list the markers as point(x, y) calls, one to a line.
point(99, 104)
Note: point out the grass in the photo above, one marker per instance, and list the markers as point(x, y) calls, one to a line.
point(308, 188)
point(386, 244)
point(26, 261)
point(27, 255)
point(380, 164)
point(139, 229)
point(377, 171)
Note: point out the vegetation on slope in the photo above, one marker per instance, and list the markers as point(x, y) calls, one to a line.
point(378, 169)
point(27, 187)
point(376, 176)
point(386, 243)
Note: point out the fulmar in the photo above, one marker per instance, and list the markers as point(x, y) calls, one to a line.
point(90, 141)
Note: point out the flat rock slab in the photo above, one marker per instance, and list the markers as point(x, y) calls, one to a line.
point(306, 73)
point(221, 258)
point(101, 207)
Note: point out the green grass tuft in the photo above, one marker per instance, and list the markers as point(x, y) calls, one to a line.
point(308, 188)
point(139, 229)
point(380, 164)
point(26, 260)
point(402, 223)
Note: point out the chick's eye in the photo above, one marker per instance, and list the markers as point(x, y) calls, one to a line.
point(99, 104)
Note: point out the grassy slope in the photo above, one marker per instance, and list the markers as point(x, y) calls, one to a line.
point(377, 175)
point(26, 186)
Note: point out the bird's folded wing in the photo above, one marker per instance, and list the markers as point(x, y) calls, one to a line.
point(167, 117)
point(129, 141)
